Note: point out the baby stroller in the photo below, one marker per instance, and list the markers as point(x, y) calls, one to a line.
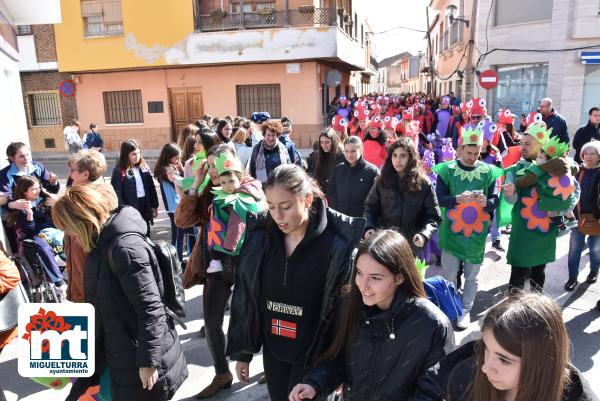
point(34, 277)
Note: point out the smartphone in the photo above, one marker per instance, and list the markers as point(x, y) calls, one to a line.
point(477, 192)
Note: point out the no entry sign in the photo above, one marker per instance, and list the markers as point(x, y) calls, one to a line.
point(66, 88)
point(488, 79)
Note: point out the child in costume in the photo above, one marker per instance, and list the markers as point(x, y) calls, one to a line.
point(237, 195)
point(557, 195)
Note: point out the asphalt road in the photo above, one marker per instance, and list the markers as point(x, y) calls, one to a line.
point(583, 324)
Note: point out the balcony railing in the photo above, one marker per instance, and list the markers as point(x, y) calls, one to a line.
point(223, 21)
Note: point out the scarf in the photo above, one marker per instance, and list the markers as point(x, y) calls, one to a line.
point(261, 167)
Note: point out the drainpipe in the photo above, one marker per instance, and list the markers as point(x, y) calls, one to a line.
point(286, 12)
point(242, 14)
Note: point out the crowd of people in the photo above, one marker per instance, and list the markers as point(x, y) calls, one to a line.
point(320, 255)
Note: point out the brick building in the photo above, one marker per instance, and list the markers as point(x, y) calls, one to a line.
point(47, 111)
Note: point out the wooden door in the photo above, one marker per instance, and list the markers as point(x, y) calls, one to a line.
point(186, 108)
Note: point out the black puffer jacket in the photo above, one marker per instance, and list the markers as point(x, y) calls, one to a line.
point(375, 367)
point(245, 336)
point(350, 185)
point(132, 329)
point(453, 377)
point(327, 167)
point(409, 213)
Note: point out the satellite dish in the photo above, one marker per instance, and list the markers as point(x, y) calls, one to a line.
point(333, 78)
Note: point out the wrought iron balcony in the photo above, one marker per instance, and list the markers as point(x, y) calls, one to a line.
point(268, 18)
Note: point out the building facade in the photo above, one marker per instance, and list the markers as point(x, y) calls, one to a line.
point(145, 72)
point(448, 50)
point(12, 113)
point(395, 69)
point(47, 110)
point(570, 77)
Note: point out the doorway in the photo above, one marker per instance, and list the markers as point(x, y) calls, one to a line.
point(186, 108)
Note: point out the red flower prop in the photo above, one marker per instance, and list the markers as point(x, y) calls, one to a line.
point(562, 186)
point(44, 321)
point(535, 218)
point(468, 218)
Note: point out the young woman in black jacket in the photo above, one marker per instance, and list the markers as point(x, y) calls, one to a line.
point(321, 162)
point(291, 270)
point(389, 333)
point(351, 180)
point(133, 182)
point(402, 198)
point(135, 339)
point(523, 355)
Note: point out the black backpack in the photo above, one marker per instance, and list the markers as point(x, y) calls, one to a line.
point(169, 269)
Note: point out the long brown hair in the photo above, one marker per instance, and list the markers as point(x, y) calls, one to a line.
point(531, 327)
point(127, 147)
point(414, 175)
point(321, 158)
point(390, 249)
point(22, 185)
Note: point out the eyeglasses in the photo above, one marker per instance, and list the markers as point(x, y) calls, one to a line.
point(476, 118)
point(325, 142)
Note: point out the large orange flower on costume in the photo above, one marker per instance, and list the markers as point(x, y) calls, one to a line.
point(562, 186)
point(467, 218)
point(215, 228)
point(534, 217)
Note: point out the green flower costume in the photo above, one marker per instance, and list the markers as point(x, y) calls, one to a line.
point(533, 237)
point(225, 204)
point(464, 228)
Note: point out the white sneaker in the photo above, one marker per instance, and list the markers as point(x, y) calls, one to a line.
point(464, 321)
point(215, 266)
point(61, 292)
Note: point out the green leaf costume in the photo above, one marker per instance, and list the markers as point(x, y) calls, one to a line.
point(533, 236)
point(464, 228)
point(223, 204)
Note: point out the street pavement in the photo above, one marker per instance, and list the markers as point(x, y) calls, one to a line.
point(582, 320)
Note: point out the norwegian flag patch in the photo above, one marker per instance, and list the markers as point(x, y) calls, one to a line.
point(283, 328)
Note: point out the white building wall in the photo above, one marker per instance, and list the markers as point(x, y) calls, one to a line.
point(570, 27)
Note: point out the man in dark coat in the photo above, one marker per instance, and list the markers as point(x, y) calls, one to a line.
point(553, 120)
point(587, 133)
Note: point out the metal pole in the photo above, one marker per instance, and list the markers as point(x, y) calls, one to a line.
point(287, 13)
point(469, 66)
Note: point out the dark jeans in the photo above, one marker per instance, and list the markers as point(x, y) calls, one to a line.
point(214, 299)
point(281, 376)
point(576, 245)
point(146, 212)
point(518, 276)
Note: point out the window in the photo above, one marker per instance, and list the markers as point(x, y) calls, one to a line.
point(518, 11)
point(251, 98)
point(24, 30)
point(236, 8)
point(43, 108)
point(521, 87)
point(262, 6)
point(102, 17)
point(362, 35)
point(123, 107)
point(156, 107)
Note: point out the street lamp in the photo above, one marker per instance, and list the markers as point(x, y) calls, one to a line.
point(450, 11)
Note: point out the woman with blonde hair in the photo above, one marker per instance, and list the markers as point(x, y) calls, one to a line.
point(240, 140)
point(135, 338)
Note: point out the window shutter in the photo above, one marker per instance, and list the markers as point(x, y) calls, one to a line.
point(521, 11)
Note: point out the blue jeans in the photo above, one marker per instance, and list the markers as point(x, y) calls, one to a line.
point(576, 248)
point(494, 229)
